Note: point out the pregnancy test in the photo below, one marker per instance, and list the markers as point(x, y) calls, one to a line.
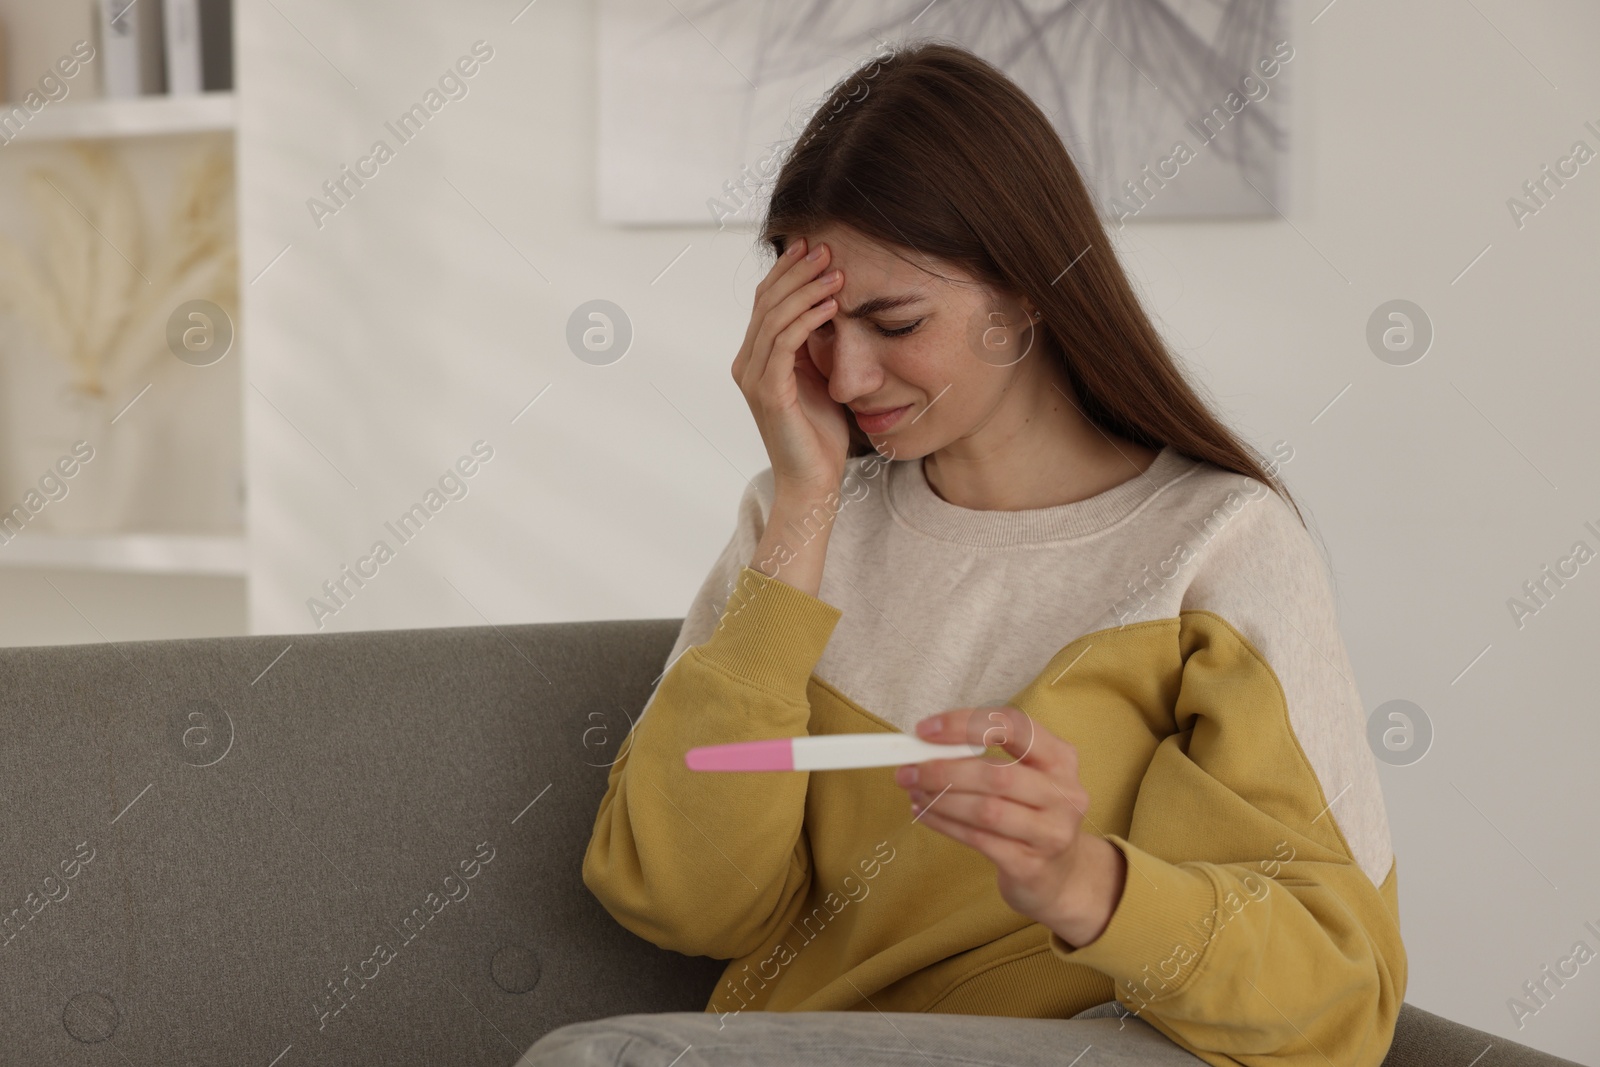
point(828, 752)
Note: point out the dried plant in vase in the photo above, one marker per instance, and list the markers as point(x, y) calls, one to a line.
point(100, 294)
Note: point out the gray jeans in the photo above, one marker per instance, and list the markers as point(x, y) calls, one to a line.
point(856, 1039)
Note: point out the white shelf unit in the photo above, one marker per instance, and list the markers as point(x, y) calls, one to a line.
point(142, 116)
point(140, 553)
point(173, 554)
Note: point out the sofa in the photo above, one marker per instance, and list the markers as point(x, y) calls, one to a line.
point(343, 848)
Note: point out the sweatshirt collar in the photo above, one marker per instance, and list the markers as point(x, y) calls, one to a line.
point(914, 503)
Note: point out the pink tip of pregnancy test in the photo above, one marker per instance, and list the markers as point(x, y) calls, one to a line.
point(775, 755)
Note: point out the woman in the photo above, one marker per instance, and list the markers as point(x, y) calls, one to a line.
point(996, 511)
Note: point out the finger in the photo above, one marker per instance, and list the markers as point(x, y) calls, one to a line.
point(776, 328)
point(790, 272)
point(1077, 800)
point(807, 295)
point(996, 815)
point(786, 346)
point(793, 252)
point(1007, 728)
point(769, 303)
point(976, 776)
point(1004, 852)
point(784, 317)
point(792, 341)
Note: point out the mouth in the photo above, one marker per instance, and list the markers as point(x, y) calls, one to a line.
point(880, 420)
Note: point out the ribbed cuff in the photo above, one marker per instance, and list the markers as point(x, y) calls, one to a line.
point(1155, 938)
point(771, 634)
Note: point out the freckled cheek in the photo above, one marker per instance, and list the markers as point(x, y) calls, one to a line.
point(925, 364)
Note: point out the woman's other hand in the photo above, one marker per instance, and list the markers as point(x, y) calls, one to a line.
point(806, 431)
point(1024, 813)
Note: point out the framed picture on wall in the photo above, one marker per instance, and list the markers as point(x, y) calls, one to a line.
point(1171, 108)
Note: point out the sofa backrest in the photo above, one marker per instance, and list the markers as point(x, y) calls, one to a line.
point(358, 848)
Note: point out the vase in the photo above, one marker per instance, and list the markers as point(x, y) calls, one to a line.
point(102, 492)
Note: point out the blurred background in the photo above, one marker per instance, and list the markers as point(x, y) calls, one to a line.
point(241, 344)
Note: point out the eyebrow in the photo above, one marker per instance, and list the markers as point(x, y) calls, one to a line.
point(879, 303)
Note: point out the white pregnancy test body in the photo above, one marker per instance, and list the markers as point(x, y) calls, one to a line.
point(829, 752)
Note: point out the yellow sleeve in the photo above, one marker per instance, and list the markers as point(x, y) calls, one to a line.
point(705, 863)
point(1246, 931)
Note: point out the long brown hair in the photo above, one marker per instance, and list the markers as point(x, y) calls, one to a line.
point(934, 150)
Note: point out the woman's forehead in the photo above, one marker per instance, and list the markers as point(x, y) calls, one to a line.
point(866, 260)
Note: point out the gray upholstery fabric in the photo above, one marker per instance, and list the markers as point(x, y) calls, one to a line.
point(1422, 1039)
point(203, 837)
point(363, 769)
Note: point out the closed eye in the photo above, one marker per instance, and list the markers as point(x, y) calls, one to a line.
point(899, 331)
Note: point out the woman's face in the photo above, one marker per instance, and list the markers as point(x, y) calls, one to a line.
point(964, 361)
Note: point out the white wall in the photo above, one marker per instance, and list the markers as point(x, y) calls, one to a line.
point(414, 323)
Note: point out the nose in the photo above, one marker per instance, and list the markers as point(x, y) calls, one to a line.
point(855, 371)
